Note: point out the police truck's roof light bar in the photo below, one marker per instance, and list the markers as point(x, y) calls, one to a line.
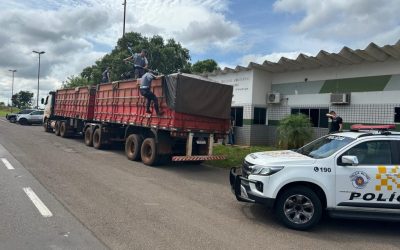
point(358, 127)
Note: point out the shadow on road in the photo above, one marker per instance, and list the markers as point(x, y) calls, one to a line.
point(368, 229)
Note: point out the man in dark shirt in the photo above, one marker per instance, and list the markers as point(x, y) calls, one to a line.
point(145, 90)
point(336, 122)
point(106, 75)
point(140, 63)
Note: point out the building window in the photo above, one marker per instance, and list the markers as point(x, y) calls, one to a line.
point(237, 116)
point(260, 115)
point(397, 114)
point(317, 116)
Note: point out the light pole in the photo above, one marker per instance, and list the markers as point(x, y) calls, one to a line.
point(12, 86)
point(123, 31)
point(38, 74)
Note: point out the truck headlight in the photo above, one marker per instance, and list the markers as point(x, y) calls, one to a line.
point(263, 170)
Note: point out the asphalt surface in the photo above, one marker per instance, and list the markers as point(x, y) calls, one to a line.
point(127, 205)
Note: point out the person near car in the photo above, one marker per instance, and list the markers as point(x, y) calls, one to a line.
point(140, 63)
point(336, 122)
point(145, 90)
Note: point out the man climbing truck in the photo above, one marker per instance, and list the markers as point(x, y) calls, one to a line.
point(196, 112)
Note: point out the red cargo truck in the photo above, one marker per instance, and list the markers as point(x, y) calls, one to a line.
point(196, 112)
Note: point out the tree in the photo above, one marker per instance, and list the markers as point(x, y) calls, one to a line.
point(75, 81)
point(166, 57)
point(294, 131)
point(208, 65)
point(22, 99)
point(2, 104)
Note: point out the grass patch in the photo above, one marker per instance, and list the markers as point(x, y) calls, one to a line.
point(234, 155)
point(6, 110)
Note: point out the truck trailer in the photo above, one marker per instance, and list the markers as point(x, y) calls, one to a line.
point(195, 114)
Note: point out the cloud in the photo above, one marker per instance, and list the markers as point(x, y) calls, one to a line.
point(215, 30)
point(273, 57)
point(344, 21)
point(74, 34)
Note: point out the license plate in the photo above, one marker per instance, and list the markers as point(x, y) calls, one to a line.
point(201, 141)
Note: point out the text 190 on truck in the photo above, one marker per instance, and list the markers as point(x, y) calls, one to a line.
point(196, 113)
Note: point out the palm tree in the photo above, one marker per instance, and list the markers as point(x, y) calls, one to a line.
point(294, 131)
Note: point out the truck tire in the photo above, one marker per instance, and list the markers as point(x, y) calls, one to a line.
point(89, 137)
point(97, 139)
point(13, 119)
point(63, 130)
point(299, 208)
point(57, 128)
point(23, 121)
point(133, 146)
point(46, 126)
point(149, 152)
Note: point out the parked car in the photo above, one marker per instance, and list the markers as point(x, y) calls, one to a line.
point(353, 175)
point(33, 117)
point(13, 116)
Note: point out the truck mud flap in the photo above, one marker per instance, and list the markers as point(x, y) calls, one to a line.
point(199, 158)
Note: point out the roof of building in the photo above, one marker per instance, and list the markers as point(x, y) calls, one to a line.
point(346, 56)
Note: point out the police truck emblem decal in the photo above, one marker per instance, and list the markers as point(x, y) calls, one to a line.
point(359, 179)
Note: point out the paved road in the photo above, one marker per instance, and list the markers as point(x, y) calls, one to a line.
point(131, 206)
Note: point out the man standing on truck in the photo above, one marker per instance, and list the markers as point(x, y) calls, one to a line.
point(140, 63)
point(145, 90)
point(106, 76)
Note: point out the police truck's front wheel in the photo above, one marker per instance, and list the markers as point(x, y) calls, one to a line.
point(299, 208)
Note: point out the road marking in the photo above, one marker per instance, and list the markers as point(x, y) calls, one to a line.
point(7, 164)
point(37, 202)
point(151, 204)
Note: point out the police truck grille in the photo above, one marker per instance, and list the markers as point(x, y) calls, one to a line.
point(246, 169)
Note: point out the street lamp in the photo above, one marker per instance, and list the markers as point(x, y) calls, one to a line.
point(123, 31)
point(38, 74)
point(12, 85)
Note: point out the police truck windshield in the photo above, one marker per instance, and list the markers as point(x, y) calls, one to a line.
point(325, 146)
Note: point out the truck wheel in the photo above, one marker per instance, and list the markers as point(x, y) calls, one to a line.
point(23, 121)
point(63, 130)
point(89, 137)
point(133, 146)
point(57, 128)
point(46, 126)
point(299, 208)
point(97, 139)
point(149, 152)
point(13, 119)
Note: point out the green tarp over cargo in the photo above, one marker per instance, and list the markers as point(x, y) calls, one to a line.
point(197, 95)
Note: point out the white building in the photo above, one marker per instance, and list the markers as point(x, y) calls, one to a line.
point(362, 86)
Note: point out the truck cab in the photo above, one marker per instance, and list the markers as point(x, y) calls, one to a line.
point(352, 174)
point(48, 110)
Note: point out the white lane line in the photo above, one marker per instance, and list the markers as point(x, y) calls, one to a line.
point(7, 164)
point(37, 202)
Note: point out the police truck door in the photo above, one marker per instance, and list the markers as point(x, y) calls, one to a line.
point(373, 183)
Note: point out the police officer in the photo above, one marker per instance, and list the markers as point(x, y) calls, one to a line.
point(140, 63)
point(337, 122)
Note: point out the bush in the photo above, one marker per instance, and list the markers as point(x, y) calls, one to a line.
point(294, 131)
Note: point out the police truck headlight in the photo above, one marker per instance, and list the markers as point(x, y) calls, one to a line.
point(262, 170)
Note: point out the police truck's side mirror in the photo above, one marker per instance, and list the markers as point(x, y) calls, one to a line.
point(350, 160)
point(42, 101)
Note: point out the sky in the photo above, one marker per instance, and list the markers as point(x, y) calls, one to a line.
point(75, 33)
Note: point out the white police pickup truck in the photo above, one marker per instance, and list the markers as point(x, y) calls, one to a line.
point(352, 174)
